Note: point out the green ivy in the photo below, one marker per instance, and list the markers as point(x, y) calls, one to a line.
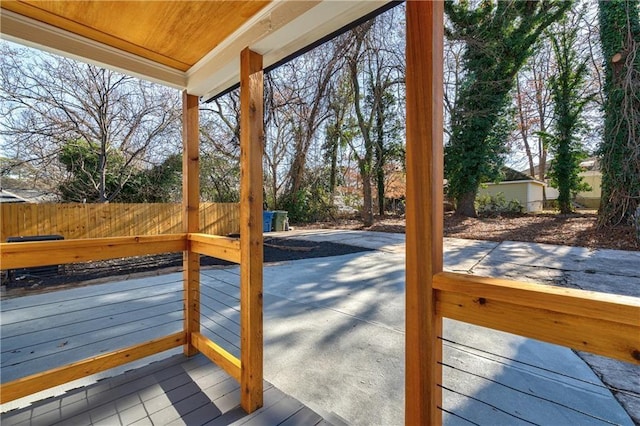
point(567, 87)
point(499, 36)
point(620, 149)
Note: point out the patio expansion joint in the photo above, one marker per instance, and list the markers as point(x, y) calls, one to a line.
point(486, 255)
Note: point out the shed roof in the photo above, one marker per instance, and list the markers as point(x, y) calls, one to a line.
point(511, 175)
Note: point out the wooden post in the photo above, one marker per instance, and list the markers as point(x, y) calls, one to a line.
point(251, 249)
point(424, 211)
point(190, 216)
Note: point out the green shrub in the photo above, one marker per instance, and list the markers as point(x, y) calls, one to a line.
point(495, 205)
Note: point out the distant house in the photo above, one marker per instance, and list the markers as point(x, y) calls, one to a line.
point(18, 185)
point(591, 175)
point(28, 196)
point(517, 186)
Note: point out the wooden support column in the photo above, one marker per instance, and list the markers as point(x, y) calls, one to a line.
point(251, 249)
point(424, 211)
point(190, 216)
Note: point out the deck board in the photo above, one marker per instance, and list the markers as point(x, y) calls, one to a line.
point(49, 330)
point(175, 391)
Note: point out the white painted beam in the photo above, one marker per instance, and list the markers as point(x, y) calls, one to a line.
point(32, 33)
point(278, 31)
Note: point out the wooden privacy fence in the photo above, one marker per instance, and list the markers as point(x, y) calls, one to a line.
point(79, 221)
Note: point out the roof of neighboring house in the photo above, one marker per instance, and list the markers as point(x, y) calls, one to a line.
point(25, 196)
point(511, 175)
point(536, 169)
point(591, 163)
point(8, 197)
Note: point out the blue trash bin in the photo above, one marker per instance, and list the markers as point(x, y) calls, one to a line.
point(267, 221)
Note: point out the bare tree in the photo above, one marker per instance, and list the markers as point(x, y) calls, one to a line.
point(48, 101)
point(304, 82)
point(533, 109)
point(220, 149)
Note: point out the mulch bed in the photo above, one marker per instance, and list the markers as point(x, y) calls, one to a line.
point(275, 250)
point(577, 229)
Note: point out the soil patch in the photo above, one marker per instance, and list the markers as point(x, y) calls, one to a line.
point(30, 281)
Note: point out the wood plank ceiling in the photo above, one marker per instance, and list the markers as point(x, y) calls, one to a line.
point(174, 33)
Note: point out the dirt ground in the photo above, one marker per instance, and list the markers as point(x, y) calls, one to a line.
point(578, 229)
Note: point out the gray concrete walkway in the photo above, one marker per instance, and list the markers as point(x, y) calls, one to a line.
point(334, 333)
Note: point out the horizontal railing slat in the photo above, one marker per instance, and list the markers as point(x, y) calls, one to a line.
point(603, 324)
point(217, 355)
point(224, 248)
point(29, 254)
point(611, 307)
point(58, 376)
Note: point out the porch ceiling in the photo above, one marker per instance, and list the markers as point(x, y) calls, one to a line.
point(191, 45)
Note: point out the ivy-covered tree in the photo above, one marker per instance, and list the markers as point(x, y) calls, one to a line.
point(568, 93)
point(85, 179)
point(620, 149)
point(498, 37)
point(162, 183)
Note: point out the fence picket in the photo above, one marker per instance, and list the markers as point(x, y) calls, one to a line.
point(77, 221)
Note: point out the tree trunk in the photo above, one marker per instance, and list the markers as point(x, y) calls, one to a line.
point(333, 154)
point(524, 130)
point(465, 204)
point(379, 147)
point(380, 176)
point(619, 153)
point(381, 195)
point(102, 167)
point(367, 206)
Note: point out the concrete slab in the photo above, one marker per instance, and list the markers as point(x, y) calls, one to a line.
point(519, 380)
point(336, 362)
point(383, 241)
point(567, 258)
point(334, 338)
point(604, 281)
point(464, 255)
point(610, 271)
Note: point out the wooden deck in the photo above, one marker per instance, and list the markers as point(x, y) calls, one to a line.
point(175, 391)
point(306, 317)
point(52, 329)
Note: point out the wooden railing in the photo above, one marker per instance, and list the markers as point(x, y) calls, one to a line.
point(600, 323)
point(29, 254)
point(79, 221)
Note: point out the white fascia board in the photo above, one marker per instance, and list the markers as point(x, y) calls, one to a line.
point(276, 32)
point(32, 33)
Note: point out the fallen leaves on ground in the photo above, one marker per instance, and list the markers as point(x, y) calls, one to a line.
point(578, 229)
